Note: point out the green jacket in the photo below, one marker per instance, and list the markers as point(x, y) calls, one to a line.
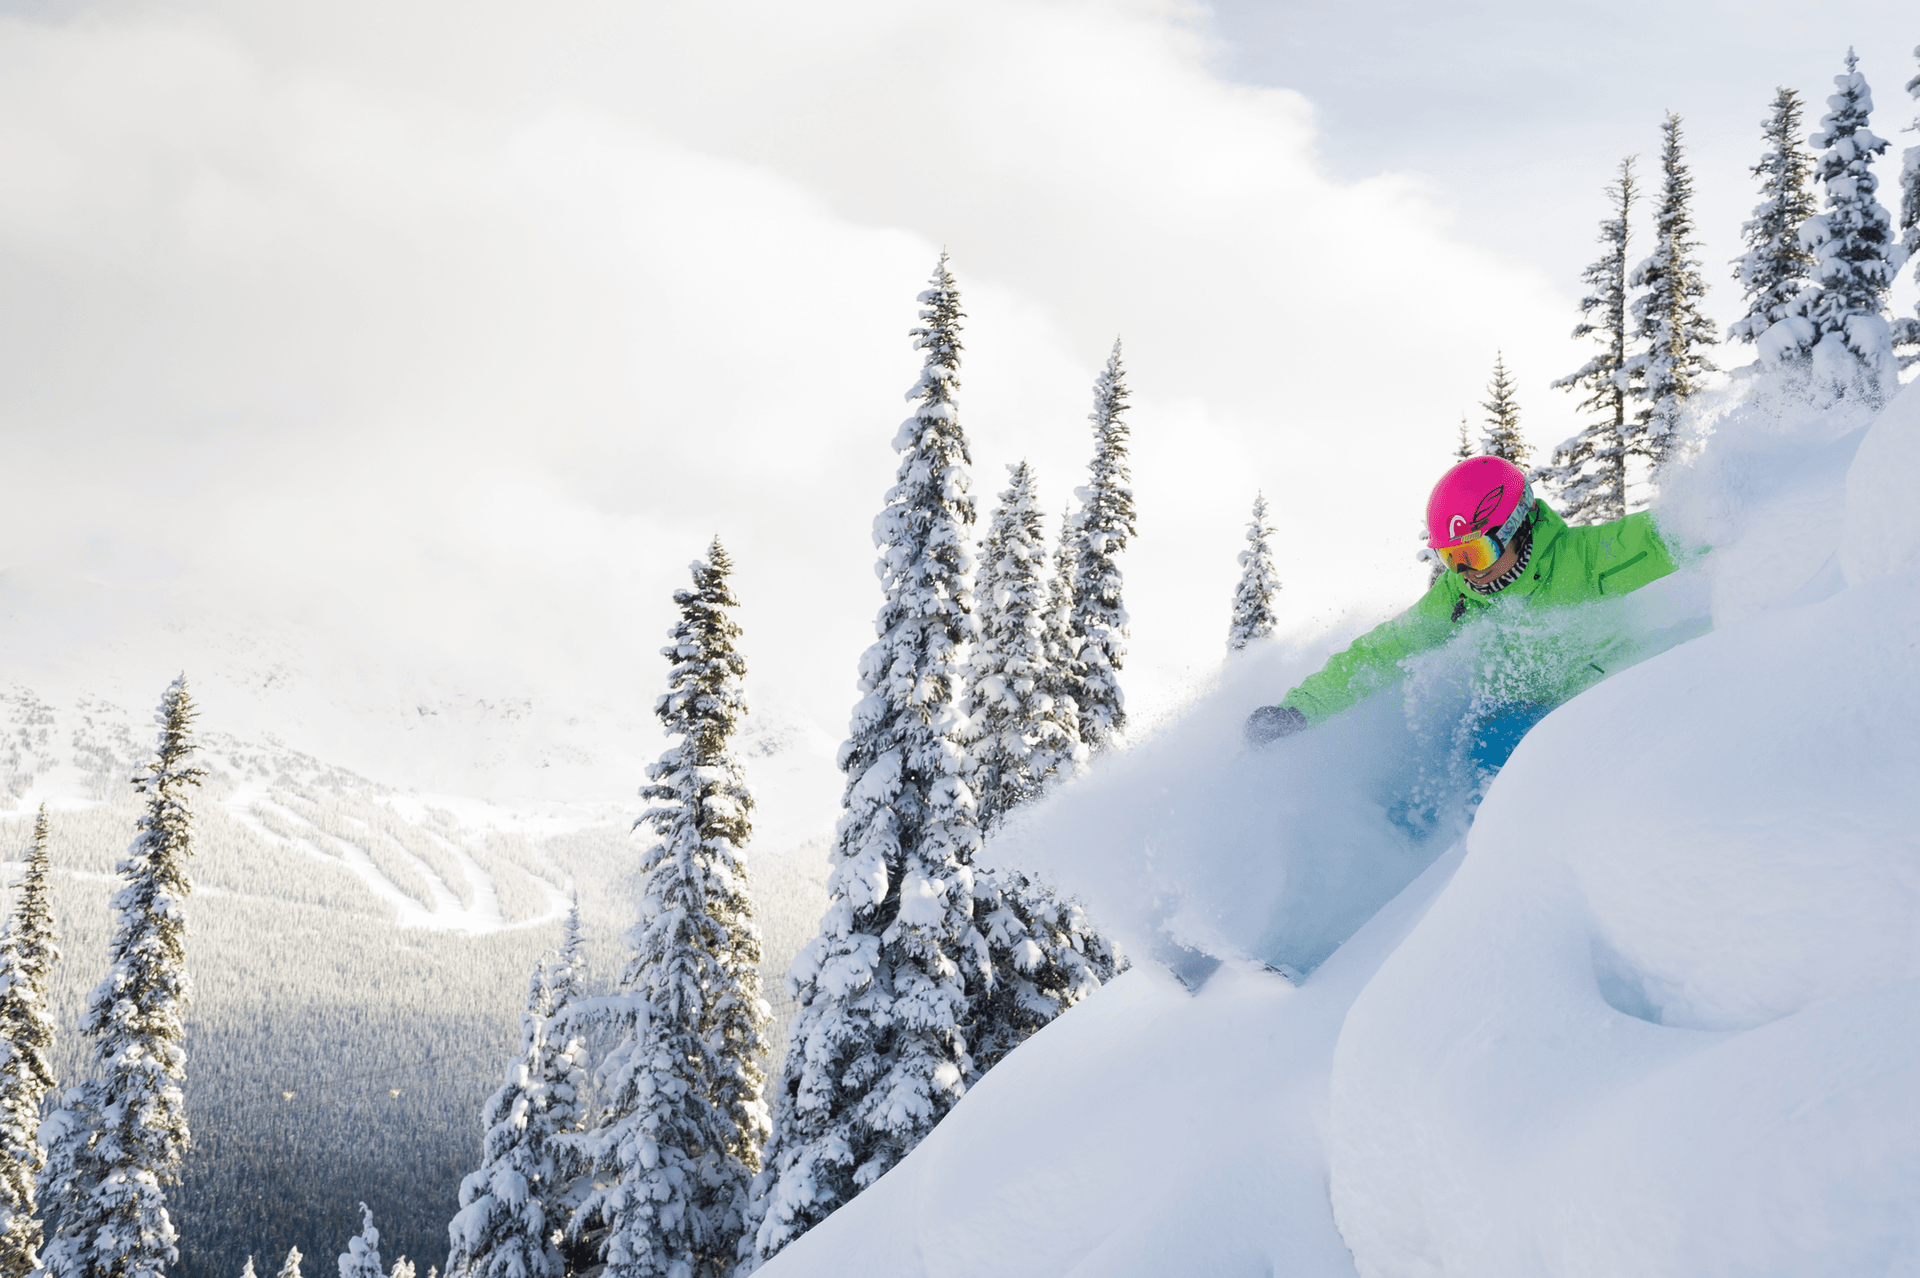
point(1569, 566)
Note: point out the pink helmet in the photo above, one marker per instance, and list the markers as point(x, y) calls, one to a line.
point(1481, 494)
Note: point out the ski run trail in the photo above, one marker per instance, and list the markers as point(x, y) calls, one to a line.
point(1652, 1009)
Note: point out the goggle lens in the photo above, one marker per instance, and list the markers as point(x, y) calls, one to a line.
point(1476, 554)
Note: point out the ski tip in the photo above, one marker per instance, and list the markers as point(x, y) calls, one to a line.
point(1194, 968)
point(1191, 968)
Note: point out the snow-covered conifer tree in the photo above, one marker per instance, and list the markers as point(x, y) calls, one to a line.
point(1906, 332)
point(247, 1272)
point(402, 1268)
point(1590, 470)
point(118, 1138)
point(1503, 437)
point(1064, 672)
point(290, 1268)
point(1043, 955)
point(1101, 530)
point(1022, 736)
point(1253, 598)
point(1667, 316)
point(361, 1259)
point(1046, 957)
point(677, 1146)
point(1775, 267)
point(28, 950)
point(511, 1206)
point(1855, 257)
point(876, 1054)
point(1464, 449)
point(563, 975)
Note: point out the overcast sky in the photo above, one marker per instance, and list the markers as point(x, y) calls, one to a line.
point(452, 332)
point(1515, 114)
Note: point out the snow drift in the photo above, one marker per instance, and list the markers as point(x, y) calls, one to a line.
point(1670, 1029)
point(1650, 1009)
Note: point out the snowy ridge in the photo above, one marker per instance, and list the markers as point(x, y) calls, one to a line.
point(1653, 1014)
point(446, 861)
point(416, 864)
point(274, 693)
point(478, 911)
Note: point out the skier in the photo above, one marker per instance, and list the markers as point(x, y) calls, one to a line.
point(1500, 544)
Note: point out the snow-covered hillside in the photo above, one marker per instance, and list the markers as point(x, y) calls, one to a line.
point(1650, 1010)
point(377, 868)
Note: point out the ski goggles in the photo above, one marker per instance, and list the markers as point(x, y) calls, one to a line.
point(1475, 554)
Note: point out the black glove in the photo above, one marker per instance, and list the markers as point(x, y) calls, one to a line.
point(1270, 723)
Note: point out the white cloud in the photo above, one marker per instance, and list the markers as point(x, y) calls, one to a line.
point(461, 328)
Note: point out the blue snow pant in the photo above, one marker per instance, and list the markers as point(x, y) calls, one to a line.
point(1497, 737)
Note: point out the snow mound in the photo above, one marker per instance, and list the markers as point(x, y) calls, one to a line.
point(1883, 512)
point(1661, 1021)
point(1752, 863)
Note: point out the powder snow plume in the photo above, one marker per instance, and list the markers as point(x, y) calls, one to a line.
point(1278, 853)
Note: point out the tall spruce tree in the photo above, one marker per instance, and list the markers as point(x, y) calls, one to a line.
point(28, 950)
point(1855, 257)
point(701, 794)
point(1667, 316)
point(1910, 171)
point(1023, 736)
point(1043, 954)
point(1776, 266)
point(877, 1053)
point(1064, 672)
point(675, 1151)
point(1906, 331)
point(361, 1259)
point(1589, 471)
point(119, 1138)
point(512, 1205)
point(1102, 528)
point(563, 977)
point(1503, 437)
point(1253, 598)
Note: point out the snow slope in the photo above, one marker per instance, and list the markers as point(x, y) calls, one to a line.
point(1673, 1031)
point(1149, 1132)
point(1657, 1013)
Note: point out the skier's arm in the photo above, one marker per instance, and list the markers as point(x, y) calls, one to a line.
point(1632, 557)
point(1372, 661)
